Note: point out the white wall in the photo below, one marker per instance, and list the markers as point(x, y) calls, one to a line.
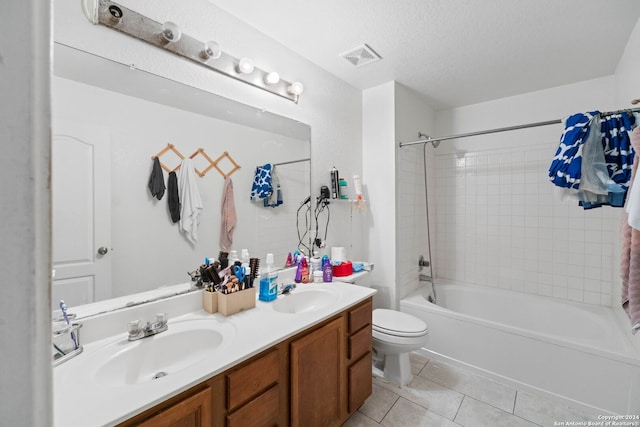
point(25, 328)
point(330, 106)
point(379, 170)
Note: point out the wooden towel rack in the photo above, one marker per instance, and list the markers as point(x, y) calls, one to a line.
point(169, 147)
point(198, 152)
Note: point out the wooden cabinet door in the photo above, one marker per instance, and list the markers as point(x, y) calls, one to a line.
point(360, 382)
point(193, 411)
point(316, 366)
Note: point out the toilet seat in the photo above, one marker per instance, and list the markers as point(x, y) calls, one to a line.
point(397, 324)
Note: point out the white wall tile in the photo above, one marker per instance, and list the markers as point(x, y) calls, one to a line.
point(501, 223)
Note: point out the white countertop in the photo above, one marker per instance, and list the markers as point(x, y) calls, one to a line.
point(81, 400)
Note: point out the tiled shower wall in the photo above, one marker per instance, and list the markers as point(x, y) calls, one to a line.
point(501, 223)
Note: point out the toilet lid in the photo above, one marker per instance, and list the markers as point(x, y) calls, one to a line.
point(393, 322)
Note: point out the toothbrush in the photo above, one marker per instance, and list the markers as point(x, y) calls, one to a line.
point(63, 308)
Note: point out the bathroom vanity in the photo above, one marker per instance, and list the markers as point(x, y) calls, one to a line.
point(302, 360)
point(318, 377)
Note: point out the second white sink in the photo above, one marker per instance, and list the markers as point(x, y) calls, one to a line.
point(302, 301)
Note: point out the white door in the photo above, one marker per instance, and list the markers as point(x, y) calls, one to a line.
point(81, 212)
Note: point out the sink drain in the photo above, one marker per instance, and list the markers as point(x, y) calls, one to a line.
point(160, 375)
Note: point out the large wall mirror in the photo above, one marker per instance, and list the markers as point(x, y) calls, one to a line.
point(111, 237)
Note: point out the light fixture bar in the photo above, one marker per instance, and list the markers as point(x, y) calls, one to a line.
point(139, 26)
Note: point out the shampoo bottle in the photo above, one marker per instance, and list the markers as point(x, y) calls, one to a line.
point(305, 270)
point(327, 270)
point(268, 281)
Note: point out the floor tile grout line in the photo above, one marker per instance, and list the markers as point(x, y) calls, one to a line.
point(458, 410)
point(390, 408)
point(363, 414)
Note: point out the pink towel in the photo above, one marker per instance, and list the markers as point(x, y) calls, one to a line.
point(229, 218)
point(630, 263)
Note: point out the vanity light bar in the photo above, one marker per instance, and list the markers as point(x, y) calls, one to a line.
point(168, 36)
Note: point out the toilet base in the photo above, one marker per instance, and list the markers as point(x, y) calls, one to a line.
point(393, 367)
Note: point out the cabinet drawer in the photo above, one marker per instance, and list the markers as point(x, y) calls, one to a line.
point(252, 379)
point(194, 410)
point(360, 343)
point(261, 411)
point(360, 382)
point(360, 317)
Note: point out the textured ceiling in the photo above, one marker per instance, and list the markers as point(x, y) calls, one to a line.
point(454, 52)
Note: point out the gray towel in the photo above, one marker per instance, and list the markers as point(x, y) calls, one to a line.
point(156, 180)
point(172, 196)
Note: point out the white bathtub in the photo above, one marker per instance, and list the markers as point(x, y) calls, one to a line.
point(575, 352)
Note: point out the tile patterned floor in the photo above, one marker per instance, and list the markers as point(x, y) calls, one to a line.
point(442, 395)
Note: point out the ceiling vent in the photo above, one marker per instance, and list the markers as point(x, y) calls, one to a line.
point(362, 55)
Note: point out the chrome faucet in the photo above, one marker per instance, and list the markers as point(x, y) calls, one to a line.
point(137, 331)
point(286, 289)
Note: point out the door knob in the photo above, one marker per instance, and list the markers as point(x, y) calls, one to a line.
point(102, 250)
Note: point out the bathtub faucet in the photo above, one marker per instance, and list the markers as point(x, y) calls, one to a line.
point(425, 278)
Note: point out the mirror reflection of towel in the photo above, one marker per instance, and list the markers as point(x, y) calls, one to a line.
point(172, 197)
point(156, 180)
point(275, 198)
point(229, 218)
point(262, 187)
point(190, 201)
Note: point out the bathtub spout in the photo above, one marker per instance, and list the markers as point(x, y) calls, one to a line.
point(432, 297)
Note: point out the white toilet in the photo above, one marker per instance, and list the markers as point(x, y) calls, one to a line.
point(395, 335)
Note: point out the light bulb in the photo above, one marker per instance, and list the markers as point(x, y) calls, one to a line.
point(211, 50)
point(272, 78)
point(245, 66)
point(296, 88)
point(171, 32)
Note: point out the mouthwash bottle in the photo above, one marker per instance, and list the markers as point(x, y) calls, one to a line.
point(268, 281)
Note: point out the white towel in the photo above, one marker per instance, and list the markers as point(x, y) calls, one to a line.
point(190, 201)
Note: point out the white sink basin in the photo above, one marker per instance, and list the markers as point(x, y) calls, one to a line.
point(303, 301)
point(133, 362)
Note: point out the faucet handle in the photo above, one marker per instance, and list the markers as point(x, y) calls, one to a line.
point(161, 318)
point(134, 327)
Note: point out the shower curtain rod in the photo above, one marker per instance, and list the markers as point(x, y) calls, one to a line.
point(503, 129)
point(292, 161)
